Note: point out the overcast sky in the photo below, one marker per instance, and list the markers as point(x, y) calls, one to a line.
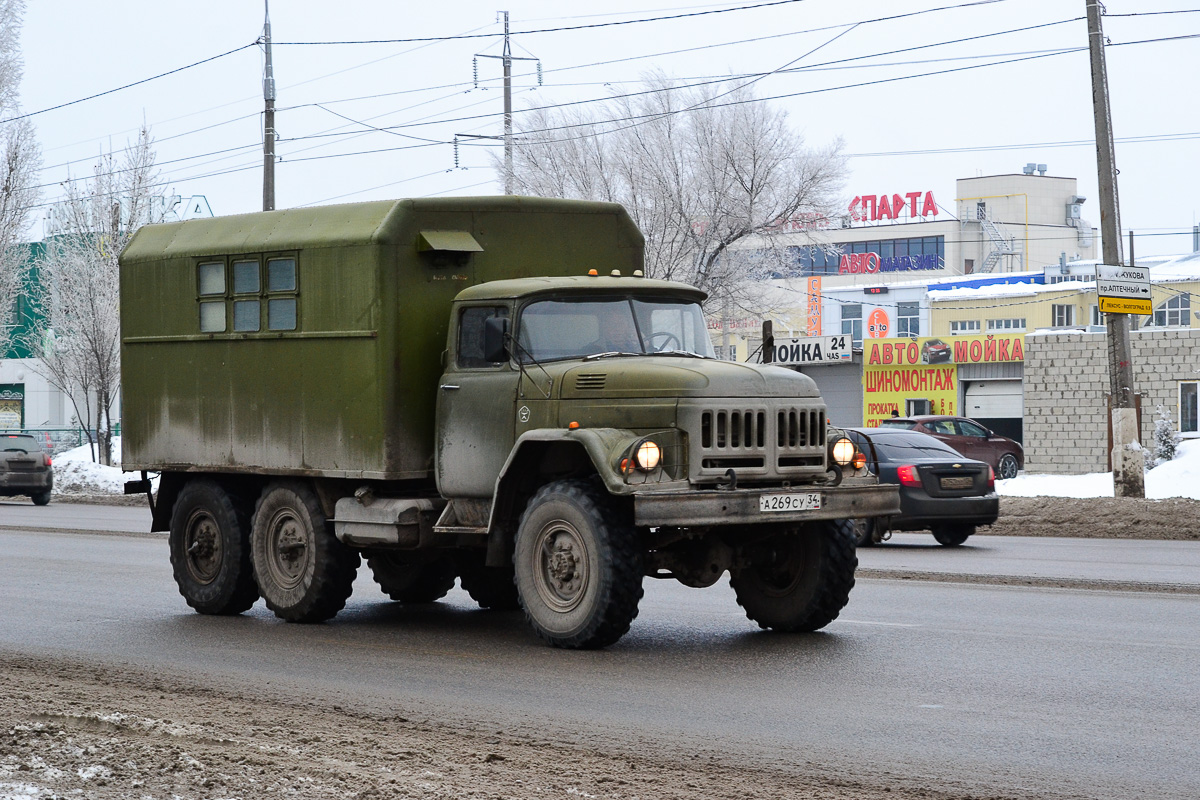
point(1001, 101)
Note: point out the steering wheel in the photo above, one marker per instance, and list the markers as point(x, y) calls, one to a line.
point(667, 337)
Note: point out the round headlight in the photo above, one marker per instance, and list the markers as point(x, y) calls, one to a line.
point(647, 456)
point(843, 452)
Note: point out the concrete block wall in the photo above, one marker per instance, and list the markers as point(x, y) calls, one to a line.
point(1066, 393)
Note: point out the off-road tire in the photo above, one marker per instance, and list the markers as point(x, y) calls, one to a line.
point(303, 572)
point(952, 535)
point(578, 566)
point(40, 499)
point(493, 588)
point(1007, 468)
point(799, 580)
point(210, 550)
point(412, 582)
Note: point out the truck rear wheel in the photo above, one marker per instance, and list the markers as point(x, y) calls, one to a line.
point(408, 581)
point(210, 550)
point(578, 566)
point(304, 573)
point(799, 580)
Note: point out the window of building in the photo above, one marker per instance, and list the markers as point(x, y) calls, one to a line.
point(1187, 406)
point(1062, 315)
point(1097, 317)
point(968, 266)
point(852, 322)
point(908, 319)
point(1011, 325)
point(1175, 311)
point(959, 327)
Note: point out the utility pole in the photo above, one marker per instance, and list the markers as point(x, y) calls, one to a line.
point(268, 117)
point(1127, 461)
point(507, 58)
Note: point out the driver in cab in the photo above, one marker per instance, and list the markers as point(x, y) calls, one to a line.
point(616, 330)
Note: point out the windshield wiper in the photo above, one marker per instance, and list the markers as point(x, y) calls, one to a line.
point(686, 353)
point(610, 354)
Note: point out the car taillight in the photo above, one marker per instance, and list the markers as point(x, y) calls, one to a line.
point(991, 478)
point(908, 475)
point(49, 461)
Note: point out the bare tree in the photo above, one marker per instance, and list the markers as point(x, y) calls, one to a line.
point(20, 159)
point(707, 174)
point(79, 340)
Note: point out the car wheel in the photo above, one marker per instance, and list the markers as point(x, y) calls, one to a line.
point(491, 587)
point(865, 528)
point(953, 535)
point(578, 566)
point(40, 499)
point(799, 580)
point(1008, 467)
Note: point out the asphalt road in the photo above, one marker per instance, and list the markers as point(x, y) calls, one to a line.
point(1024, 691)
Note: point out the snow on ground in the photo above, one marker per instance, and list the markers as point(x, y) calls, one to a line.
point(1177, 478)
point(76, 473)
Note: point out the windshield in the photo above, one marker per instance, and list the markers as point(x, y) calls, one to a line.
point(558, 329)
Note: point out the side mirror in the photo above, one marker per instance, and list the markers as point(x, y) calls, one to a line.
point(495, 329)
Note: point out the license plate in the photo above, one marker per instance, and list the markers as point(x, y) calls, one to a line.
point(965, 482)
point(791, 501)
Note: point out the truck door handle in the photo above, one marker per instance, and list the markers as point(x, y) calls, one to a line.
point(448, 386)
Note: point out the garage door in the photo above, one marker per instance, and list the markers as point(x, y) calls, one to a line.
point(1000, 405)
point(995, 399)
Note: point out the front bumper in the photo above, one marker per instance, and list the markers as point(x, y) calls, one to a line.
point(741, 506)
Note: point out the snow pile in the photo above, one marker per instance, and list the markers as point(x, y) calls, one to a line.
point(76, 473)
point(1179, 477)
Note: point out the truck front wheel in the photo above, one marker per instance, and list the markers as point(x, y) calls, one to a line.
point(210, 550)
point(798, 580)
point(304, 573)
point(578, 566)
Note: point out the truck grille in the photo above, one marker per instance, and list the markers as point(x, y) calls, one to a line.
point(757, 440)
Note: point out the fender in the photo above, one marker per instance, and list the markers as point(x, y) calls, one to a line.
point(565, 449)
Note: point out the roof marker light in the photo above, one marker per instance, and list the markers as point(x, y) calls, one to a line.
point(572, 426)
point(593, 273)
point(616, 273)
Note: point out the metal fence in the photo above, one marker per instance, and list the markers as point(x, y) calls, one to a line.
point(56, 440)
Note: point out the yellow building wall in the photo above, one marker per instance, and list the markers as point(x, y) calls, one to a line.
point(1036, 307)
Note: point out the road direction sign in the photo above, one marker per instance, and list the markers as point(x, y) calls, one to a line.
point(1123, 290)
point(1125, 305)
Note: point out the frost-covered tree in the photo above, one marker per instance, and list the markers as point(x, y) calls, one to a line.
point(699, 170)
point(1166, 439)
point(20, 159)
point(79, 340)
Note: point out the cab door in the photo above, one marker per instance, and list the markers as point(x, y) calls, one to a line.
point(475, 410)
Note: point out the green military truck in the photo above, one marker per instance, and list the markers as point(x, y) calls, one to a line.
point(481, 389)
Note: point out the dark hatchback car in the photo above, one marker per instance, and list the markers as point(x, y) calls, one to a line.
point(25, 468)
point(970, 439)
point(939, 489)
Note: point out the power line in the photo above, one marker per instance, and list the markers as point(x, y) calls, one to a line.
point(561, 29)
point(130, 85)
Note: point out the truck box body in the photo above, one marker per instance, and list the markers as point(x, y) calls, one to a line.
point(340, 377)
